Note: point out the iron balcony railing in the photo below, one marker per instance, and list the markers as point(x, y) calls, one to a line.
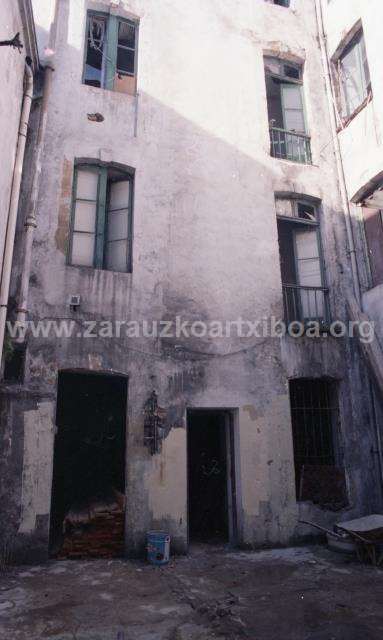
point(306, 304)
point(290, 145)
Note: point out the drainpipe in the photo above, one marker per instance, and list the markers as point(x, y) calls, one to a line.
point(30, 221)
point(14, 202)
point(338, 154)
point(344, 195)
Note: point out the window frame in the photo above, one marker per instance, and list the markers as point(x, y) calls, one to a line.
point(111, 49)
point(330, 387)
point(101, 222)
point(366, 90)
point(314, 225)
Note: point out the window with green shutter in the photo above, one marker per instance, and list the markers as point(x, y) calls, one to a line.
point(110, 53)
point(101, 232)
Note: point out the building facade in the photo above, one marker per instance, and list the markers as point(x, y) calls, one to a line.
point(188, 174)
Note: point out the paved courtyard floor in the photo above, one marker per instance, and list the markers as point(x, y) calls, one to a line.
point(302, 593)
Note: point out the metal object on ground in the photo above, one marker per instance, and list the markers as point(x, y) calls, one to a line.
point(158, 547)
point(367, 533)
point(341, 542)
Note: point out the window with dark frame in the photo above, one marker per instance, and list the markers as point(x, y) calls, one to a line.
point(111, 53)
point(354, 76)
point(281, 3)
point(305, 296)
point(287, 121)
point(314, 416)
point(373, 229)
point(101, 230)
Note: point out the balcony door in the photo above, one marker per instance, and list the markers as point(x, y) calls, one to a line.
point(308, 273)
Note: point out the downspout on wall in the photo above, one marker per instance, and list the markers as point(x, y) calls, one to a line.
point(338, 154)
point(14, 202)
point(31, 221)
point(373, 353)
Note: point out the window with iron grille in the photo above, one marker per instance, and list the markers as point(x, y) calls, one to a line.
point(287, 121)
point(305, 295)
point(110, 53)
point(314, 416)
point(101, 228)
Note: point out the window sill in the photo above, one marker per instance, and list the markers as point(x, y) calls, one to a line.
point(84, 268)
point(109, 91)
point(347, 119)
point(296, 163)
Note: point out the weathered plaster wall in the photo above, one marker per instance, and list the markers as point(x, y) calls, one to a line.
point(12, 75)
point(361, 141)
point(205, 246)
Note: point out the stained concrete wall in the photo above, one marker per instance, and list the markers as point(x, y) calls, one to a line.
point(361, 140)
point(205, 247)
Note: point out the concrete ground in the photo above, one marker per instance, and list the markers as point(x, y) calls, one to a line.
point(303, 593)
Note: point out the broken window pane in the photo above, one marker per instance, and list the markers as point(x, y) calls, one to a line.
point(110, 53)
point(95, 51)
point(125, 60)
point(126, 34)
point(306, 211)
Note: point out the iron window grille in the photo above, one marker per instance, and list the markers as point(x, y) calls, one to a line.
point(314, 416)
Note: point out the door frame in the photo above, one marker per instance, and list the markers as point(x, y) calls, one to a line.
point(232, 482)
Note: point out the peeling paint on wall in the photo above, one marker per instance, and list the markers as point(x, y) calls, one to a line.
point(37, 465)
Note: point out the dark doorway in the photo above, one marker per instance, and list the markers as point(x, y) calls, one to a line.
point(210, 476)
point(87, 510)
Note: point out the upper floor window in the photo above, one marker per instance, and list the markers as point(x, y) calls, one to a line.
point(101, 231)
point(287, 121)
point(304, 295)
point(372, 209)
point(354, 75)
point(111, 53)
point(282, 3)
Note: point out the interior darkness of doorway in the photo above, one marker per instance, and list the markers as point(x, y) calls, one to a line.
point(207, 476)
point(89, 455)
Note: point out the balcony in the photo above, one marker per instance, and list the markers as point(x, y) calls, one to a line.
point(289, 145)
point(306, 304)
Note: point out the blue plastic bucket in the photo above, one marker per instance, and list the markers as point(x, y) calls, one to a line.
point(158, 547)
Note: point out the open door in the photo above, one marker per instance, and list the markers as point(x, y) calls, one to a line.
point(211, 484)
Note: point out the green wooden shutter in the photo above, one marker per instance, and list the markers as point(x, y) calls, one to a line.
point(111, 52)
point(100, 226)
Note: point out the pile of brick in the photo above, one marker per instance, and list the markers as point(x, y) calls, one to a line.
point(99, 535)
